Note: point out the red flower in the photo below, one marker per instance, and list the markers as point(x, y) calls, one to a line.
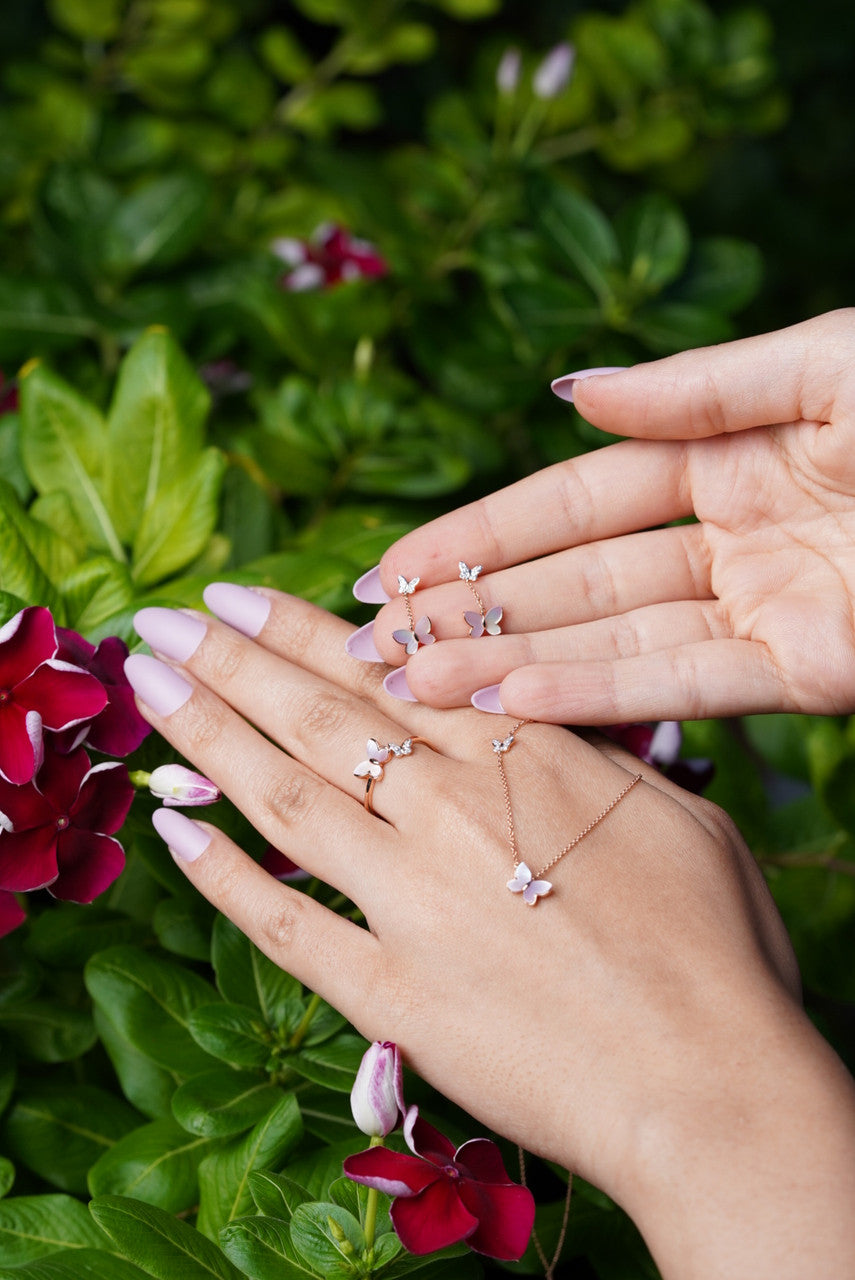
point(37, 690)
point(331, 256)
point(119, 728)
point(443, 1196)
point(8, 398)
point(281, 866)
point(659, 745)
point(57, 830)
point(11, 913)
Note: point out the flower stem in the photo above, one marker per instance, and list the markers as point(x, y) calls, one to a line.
point(299, 1034)
point(371, 1203)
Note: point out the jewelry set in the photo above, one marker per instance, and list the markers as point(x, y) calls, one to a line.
point(530, 885)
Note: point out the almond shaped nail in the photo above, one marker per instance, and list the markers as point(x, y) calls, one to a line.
point(563, 386)
point(241, 607)
point(369, 589)
point(487, 699)
point(396, 684)
point(360, 644)
point(175, 634)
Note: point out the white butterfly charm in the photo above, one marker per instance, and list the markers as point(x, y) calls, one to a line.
point(501, 745)
point(406, 588)
point(488, 622)
point(373, 766)
point(531, 889)
point(420, 634)
point(467, 574)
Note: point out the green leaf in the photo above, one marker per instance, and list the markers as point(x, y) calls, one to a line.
point(46, 314)
point(157, 224)
point(581, 232)
point(7, 1176)
point(8, 1074)
point(20, 571)
point(164, 1246)
point(551, 312)
point(246, 976)
point(63, 443)
point(231, 1032)
point(275, 1194)
point(149, 1000)
point(224, 1175)
point(333, 1064)
point(831, 758)
point(314, 1240)
point(655, 241)
point(723, 273)
point(32, 1226)
point(222, 1102)
point(262, 1248)
point(11, 466)
point(94, 591)
point(89, 19)
point(57, 512)
point(68, 934)
point(48, 1030)
point(155, 428)
point(675, 326)
point(175, 528)
point(9, 605)
point(147, 1086)
point(75, 1264)
point(156, 1163)
point(183, 927)
point(326, 1113)
point(59, 1131)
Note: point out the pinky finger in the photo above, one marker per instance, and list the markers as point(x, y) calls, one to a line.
point(304, 938)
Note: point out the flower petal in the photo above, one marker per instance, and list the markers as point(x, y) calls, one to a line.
point(60, 779)
point(11, 913)
point(25, 807)
point(17, 756)
point(26, 641)
point(63, 695)
point(28, 859)
point(88, 864)
point(106, 794)
point(433, 1219)
point(426, 1141)
point(392, 1172)
point(505, 1215)
point(481, 1159)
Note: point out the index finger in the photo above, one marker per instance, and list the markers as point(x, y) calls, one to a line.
point(619, 489)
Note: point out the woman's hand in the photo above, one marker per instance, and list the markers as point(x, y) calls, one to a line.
point(639, 1024)
point(608, 618)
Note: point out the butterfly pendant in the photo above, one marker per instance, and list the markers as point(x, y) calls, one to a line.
point(420, 634)
point(531, 889)
point(488, 622)
point(467, 574)
point(373, 766)
point(406, 588)
point(501, 745)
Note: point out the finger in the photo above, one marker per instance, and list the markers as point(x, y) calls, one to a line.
point(318, 947)
point(690, 682)
point(617, 490)
point(285, 801)
point(446, 675)
point(600, 580)
point(774, 378)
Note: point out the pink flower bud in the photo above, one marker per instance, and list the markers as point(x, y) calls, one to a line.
point(176, 785)
point(553, 75)
point(508, 71)
point(377, 1098)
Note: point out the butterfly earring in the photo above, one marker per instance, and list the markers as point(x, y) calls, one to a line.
point(419, 632)
point(485, 621)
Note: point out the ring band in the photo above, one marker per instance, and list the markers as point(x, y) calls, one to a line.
point(377, 757)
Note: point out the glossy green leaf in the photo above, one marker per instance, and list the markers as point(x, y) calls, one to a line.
point(146, 1085)
point(246, 976)
point(89, 19)
point(262, 1248)
point(158, 223)
point(49, 1030)
point(59, 1131)
point(56, 510)
point(722, 273)
point(222, 1103)
point(162, 1245)
point(75, 1264)
point(674, 326)
point(313, 1238)
point(9, 606)
point(156, 1163)
point(43, 314)
point(68, 934)
point(20, 571)
point(183, 927)
point(275, 1194)
point(33, 1226)
point(334, 1063)
point(582, 233)
point(551, 313)
point(175, 528)
point(7, 1176)
point(149, 1000)
point(655, 241)
point(11, 466)
point(224, 1175)
point(233, 1033)
point(95, 591)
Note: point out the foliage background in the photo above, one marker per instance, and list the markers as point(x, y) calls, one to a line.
point(688, 186)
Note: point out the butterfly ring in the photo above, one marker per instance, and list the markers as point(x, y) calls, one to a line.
point(376, 759)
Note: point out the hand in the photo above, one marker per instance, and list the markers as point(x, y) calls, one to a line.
point(608, 618)
point(625, 1026)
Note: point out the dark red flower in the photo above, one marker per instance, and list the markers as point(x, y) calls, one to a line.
point(442, 1195)
point(119, 728)
point(659, 745)
point(281, 866)
point(57, 830)
point(8, 396)
point(37, 691)
point(332, 256)
point(11, 913)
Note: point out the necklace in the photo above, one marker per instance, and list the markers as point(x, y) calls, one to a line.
point(531, 884)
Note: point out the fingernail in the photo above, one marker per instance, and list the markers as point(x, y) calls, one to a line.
point(176, 635)
point(241, 607)
point(360, 644)
point(369, 589)
point(487, 699)
point(185, 838)
point(563, 387)
point(396, 684)
point(160, 688)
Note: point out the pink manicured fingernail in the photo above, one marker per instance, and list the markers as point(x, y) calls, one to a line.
point(157, 685)
point(184, 837)
point(563, 386)
point(241, 607)
point(369, 589)
point(176, 635)
point(396, 684)
point(360, 644)
point(487, 699)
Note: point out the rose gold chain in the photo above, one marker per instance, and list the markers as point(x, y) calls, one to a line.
point(509, 812)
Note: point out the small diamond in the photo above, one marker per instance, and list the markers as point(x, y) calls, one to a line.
point(501, 745)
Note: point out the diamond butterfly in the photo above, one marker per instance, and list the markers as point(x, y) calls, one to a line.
point(501, 745)
point(531, 889)
point(467, 574)
point(488, 622)
point(420, 634)
point(373, 766)
point(406, 588)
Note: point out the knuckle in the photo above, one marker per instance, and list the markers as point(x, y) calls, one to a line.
point(598, 585)
point(321, 715)
point(290, 798)
point(278, 929)
point(204, 725)
point(303, 636)
point(224, 662)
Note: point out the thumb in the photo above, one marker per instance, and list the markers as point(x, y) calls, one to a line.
point(792, 375)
